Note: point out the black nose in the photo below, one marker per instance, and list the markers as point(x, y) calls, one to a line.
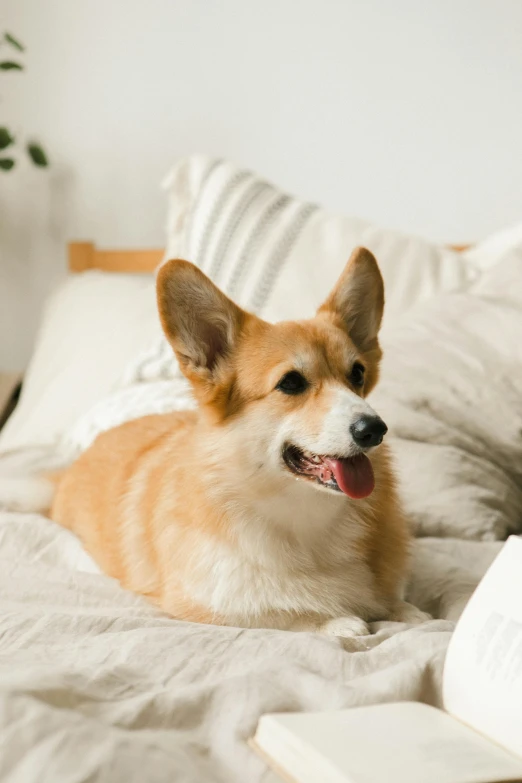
point(368, 431)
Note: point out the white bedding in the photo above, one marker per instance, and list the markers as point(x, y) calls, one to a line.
point(97, 685)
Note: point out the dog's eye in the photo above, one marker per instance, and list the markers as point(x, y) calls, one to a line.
point(292, 383)
point(356, 376)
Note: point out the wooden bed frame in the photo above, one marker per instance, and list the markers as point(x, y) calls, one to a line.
point(85, 255)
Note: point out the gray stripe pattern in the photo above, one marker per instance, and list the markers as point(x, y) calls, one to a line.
point(248, 257)
point(212, 169)
point(234, 224)
point(213, 221)
point(278, 257)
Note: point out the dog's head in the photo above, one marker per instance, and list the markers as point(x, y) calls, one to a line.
point(285, 400)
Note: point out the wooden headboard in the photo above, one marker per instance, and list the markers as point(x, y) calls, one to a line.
point(85, 255)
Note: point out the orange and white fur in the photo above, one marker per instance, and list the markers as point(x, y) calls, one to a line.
point(270, 505)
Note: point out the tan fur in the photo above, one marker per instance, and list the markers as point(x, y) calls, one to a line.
point(196, 511)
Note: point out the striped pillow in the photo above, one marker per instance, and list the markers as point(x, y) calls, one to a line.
point(238, 229)
point(278, 256)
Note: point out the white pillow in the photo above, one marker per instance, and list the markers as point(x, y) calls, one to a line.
point(279, 255)
point(93, 325)
point(486, 253)
point(451, 393)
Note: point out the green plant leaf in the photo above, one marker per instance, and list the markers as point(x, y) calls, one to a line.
point(14, 42)
point(9, 65)
point(6, 163)
point(37, 155)
point(5, 138)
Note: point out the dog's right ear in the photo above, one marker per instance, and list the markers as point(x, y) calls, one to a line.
point(200, 322)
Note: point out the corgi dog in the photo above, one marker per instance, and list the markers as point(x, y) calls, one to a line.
point(273, 505)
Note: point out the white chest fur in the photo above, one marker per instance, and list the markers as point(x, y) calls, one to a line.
point(295, 558)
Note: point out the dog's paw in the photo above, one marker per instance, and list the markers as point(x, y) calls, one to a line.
point(403, 612)
point(345, 627)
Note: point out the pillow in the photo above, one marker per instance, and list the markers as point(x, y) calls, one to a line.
point(451, 393)
point(278, 256)
point(486, 253)
point(92, 326)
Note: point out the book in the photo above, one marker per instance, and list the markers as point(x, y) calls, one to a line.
point(475, 738)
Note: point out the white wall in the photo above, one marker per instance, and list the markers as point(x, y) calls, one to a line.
point(406, 112)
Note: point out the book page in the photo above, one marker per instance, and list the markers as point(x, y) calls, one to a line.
point(483, 670)
point(397, 743)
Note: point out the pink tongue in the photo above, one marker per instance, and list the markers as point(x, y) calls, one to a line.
point(354, 476)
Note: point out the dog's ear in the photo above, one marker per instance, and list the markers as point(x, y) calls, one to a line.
point(200, 322)
point(357, 299)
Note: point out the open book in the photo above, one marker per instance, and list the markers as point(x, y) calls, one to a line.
point(477, 739)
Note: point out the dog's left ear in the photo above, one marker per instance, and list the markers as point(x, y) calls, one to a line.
point(358, 299)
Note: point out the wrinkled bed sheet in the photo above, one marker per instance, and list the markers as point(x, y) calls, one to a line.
point(96, 685)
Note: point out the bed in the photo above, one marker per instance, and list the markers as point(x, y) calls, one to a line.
point(98, 685)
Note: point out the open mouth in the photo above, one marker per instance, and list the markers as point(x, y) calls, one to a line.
point(351, 475)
